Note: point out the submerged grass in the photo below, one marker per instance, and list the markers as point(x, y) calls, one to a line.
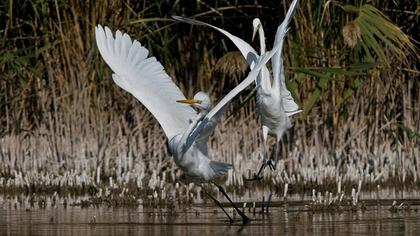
point(66, 128)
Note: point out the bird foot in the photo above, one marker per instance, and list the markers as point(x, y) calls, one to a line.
point(255, 178)
point(271, 164)
point(246, 220)
point(258, 178)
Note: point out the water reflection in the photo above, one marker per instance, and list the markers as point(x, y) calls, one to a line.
point(205, 220)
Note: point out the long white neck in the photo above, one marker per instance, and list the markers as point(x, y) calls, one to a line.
point(264, 78)
point(262, 39)
point(181, 148)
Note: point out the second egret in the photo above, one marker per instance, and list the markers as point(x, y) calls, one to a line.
point(275, 103)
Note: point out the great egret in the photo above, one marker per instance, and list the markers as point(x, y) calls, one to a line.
point(187, 131)
point(274, 101)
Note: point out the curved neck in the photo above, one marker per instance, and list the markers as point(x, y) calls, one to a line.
point(262, 39)
point(181, 148)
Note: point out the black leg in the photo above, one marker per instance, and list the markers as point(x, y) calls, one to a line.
point(218, 204)
point(271, 164)
point(268, 162)
point(245, 218)
point(276, 156)
point(258, 175)
point(273, 167)
point(269, 200)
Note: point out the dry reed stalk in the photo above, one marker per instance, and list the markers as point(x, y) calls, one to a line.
point(75, 128)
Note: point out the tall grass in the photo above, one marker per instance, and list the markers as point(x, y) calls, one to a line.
point(64, 123)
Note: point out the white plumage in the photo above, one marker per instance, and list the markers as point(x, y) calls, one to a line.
point(146, 79)
point(274, 101)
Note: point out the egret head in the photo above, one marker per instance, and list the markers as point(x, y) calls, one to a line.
point(201, 101)
point(256, 24)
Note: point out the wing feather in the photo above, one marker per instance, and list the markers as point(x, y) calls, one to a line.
point(279, 39)
point(289, 104)
point(207, 125)
point(247, 51)
point(144, 78)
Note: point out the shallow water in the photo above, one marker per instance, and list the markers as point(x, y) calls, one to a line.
point(292, 219)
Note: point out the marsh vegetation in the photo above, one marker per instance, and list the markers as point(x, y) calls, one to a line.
point(65, 128)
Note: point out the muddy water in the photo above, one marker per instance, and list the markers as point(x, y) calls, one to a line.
point(292, 219)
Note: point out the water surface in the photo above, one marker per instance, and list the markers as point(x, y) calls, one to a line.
point(294, 219)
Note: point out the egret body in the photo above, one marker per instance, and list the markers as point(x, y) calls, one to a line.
point(275, 103)
point(187, 131)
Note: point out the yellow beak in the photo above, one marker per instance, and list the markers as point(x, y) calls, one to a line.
point(254, 32)
point(189, 101)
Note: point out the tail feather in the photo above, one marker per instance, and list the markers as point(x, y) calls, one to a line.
point(220, 168)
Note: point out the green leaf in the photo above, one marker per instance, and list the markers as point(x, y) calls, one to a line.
point(412, 135)
point(350, 8)
point(378, 33)
point(313, 73)
point(346, 94)
point(363, 65)
point(310, 103)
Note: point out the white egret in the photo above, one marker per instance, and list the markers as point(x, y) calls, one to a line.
point(187, 131)
point(274, 101)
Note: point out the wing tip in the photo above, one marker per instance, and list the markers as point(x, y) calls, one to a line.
point(177, 17)
point(99, 30)
point(190, 21)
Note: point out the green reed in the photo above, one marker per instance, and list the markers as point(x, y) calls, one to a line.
point(65, 124)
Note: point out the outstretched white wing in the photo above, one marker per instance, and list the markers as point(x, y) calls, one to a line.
point(145, 78)
point(289, 104)
point(207, 125)
point(247, 51)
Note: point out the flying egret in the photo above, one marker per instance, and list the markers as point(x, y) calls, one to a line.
point(274, 101)
point(187, 131)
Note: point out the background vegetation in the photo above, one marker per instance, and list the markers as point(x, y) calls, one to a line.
point(353, 66)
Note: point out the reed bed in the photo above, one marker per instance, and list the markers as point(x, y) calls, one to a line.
point(67, 129)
